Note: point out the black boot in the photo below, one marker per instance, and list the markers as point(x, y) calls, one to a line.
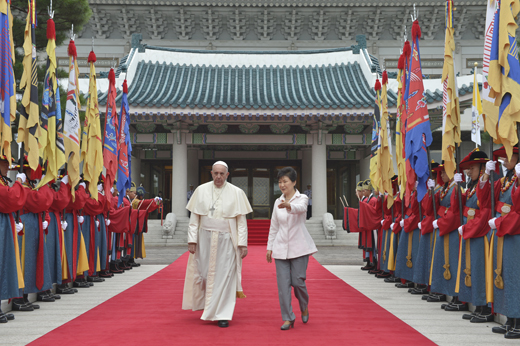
point(114, 268)
point(485, 316)
point(18, 304)
point(503, 329)
point(44, 296)
point(407, 284)
point(64, 289)
point(514, 331)
point(436, 298)
point(456, 305)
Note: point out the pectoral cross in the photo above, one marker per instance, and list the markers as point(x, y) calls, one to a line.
point(212, 209)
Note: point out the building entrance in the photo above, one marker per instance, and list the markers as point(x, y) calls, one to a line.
point(257, 179)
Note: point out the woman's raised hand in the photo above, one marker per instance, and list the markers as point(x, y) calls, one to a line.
point(285, 205)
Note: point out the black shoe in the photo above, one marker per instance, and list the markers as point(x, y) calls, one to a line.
point(383, 275)
point(19, 304)
point(368, 267)
point(80, 284)
point(482, 318)
point(55, 296)
point(34, 306)
point(425, 297)
point(45, 298)
point(457, 307)
point(375, 271)
point(405, 285)
point(501, 329)
point(105, 274)
point(65, 290)
point(94, 279)
point(392, 279)
point(419, 291)
point(3, 318)
point(10, 317)
point(223, 324)
point(512, 334)
point(435, 298)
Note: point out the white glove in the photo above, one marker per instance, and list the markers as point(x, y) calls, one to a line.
point(64, 224)
point(81, 219)
point(392, 226)
point(490, 166)
point(45, 224)
point(434, 224)
point(431, 183)
point(382, 222)
point(416, 183)
point(460, 230)
point(111, 190)
point(158, 199)
point(492, 223)
point(107, 222)
point(419, 225)
point(517, 169)
point(65, 180)
point(97, 223)
point(84, 185)
point(401, 223)
point(100, 187)
point(19, 226)
point(22, 176)
point(457, 177)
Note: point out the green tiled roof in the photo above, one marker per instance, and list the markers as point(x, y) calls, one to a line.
point(337, 86)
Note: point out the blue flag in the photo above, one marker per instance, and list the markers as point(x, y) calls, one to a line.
point(124, 174)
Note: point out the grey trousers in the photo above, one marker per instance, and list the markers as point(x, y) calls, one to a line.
point(292, 272)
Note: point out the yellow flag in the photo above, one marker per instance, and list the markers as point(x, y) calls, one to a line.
point(71, 126)
point(375, 172)
point(504, 73)
point(48, 115)
point(451, 108)
point(29, 126)
point(385, 156)
point(93, 157)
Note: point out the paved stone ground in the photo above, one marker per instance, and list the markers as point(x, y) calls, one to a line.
point(442, 327)
point(326, 255)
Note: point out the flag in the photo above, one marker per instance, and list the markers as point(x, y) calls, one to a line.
point(400, 128)
point(124, 175)
point(450, 98)
point(48, 113)
point(385, 149)
point(375, 172)
point(71, 125)
point(29, 126)
point(110, 143)
point(476, 110)
point(418, 132)
point(490, 111)
point(504, 73)
point(92, 148)
point(60, 146)
point(7, 82)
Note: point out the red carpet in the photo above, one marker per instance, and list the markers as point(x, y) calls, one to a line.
point(150, 314)
point(258, 231)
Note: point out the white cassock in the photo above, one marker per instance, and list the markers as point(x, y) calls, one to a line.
point(214, 273)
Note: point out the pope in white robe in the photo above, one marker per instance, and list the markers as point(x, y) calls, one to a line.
point(217, 241)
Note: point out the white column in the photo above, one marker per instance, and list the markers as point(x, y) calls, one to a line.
point(179, 174)
point(306, 177)
point(319, 176)
point(193, 168)
point(136, 169)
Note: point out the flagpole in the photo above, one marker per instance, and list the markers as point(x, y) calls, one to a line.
point(432, 189)
point(459, 195)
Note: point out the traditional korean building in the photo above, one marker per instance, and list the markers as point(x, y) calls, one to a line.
point(259, 111)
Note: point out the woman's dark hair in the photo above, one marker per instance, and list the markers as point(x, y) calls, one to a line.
point(288, 172)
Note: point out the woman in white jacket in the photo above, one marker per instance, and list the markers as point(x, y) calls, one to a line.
point(290, 244)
